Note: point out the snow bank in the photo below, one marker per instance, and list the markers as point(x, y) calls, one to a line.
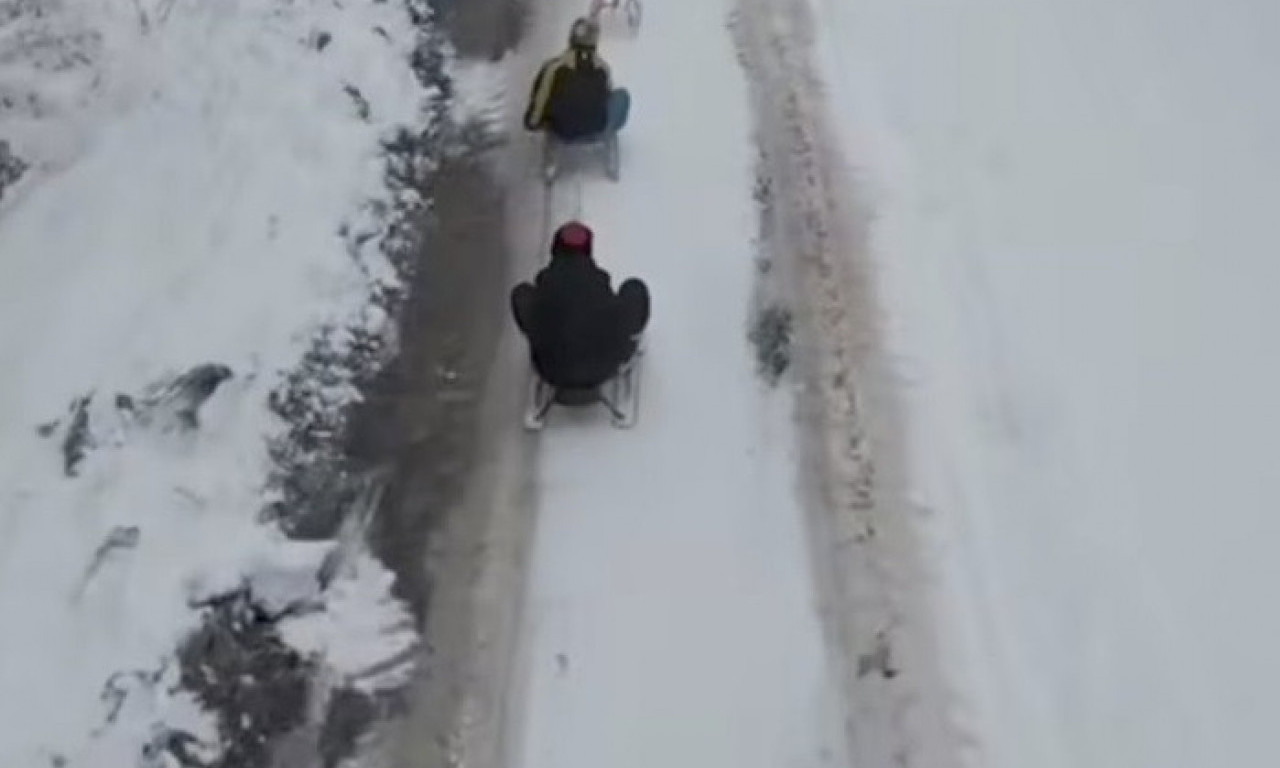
point(172, 254)
point(1077, 253)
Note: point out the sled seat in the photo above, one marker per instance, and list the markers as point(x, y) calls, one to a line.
point(577, 396)
point(619, 396)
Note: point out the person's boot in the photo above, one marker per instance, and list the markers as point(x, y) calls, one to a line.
point(634, 305)
point(633, 317)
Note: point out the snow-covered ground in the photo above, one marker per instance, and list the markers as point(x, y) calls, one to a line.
point(1077, 254)
point(671, 611)
point(172, 252)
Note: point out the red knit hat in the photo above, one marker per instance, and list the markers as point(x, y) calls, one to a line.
point(573, 237)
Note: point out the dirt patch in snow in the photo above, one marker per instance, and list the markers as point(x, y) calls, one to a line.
point(237, 665)
point(12, 167)
point(771, 336)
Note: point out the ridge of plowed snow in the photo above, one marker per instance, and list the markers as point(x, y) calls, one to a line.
point(187, 210)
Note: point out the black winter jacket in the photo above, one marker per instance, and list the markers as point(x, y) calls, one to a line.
point(575, 338)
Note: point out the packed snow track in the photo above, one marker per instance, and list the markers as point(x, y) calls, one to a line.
point(670, 609)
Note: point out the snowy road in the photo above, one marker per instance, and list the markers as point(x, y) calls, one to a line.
point(716, 582)
point(671, 607)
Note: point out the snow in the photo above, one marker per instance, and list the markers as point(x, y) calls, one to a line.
point(189, 179)
point(1076, 258)
point(364, 634)
point(670, 611)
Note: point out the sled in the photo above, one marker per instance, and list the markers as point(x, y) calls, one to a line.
point(603, 148)
point(629, 8)
point(620, 397)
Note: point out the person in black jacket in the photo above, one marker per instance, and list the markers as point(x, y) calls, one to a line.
point(573, 97)
point(580, 331)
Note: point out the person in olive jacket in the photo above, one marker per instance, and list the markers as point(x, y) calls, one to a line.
point(573, 97)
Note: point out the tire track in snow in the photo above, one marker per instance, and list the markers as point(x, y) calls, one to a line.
point(867, 559)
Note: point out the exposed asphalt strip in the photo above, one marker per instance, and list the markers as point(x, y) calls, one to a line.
point(441, 417)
